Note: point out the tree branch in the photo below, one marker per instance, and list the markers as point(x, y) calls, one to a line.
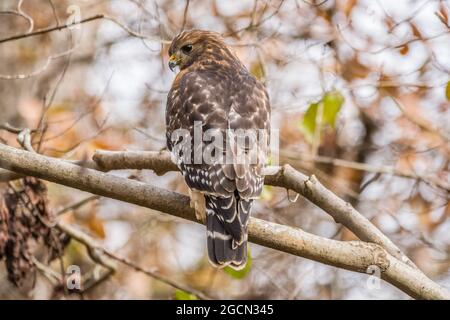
point(354, 255)
point(285, 177)
point(68, 25)
point(407, 174)
point(51, 29)
point(100, 252)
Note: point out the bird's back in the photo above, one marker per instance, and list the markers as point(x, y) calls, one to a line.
point(217, 94)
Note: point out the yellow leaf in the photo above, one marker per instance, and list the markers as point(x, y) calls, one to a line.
point(266, 193)
point(331, 104)
point(183, 295)
point(257, 70)
point(447, 91)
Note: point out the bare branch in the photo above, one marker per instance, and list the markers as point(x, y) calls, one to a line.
point(51, 29)
point(185, 15)
point(287, 177)
point(100, 252)
point(295, 156)
point(85, 20)
point(76, 205)
point(354, 255)
point(160, 162)
point(19, 12)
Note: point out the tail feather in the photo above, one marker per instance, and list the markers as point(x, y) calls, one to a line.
point(226, 223)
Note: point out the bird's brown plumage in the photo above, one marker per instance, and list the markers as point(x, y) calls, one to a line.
point(215, 88)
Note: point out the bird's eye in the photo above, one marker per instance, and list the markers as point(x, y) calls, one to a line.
point(187, 48)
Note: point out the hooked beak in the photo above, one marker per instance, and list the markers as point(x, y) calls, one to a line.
point(173, 62)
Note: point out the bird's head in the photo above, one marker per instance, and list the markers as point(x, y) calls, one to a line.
point(195, 45)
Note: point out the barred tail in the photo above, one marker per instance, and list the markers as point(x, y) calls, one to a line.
point(226, 225)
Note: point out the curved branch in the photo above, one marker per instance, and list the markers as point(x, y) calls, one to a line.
point(85, 20)
point(92, 245)
point(355, 255)
point(285, 177)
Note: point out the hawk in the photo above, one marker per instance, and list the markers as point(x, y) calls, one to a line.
point(214, 91)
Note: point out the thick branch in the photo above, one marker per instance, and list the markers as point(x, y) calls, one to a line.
point(286, 177)
point(341, 211)
point(356, 256)
point(160, 162)
point(8, 175)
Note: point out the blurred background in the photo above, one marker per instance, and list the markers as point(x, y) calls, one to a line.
point(375, 72)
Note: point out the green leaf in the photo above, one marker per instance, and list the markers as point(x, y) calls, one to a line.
point(308, 125)
point(266, 193)
point(269, 160)
point(447, 91)
point(183, 295)
point(240, 274)
point(331, 104)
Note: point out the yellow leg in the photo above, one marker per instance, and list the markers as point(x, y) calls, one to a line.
point(198, 204)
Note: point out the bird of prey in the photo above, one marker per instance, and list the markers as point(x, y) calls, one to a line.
point(213, 91)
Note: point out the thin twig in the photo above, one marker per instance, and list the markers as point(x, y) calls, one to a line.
point(85, 20)
point(185, 15)
point(97, 248)
point(76, 205)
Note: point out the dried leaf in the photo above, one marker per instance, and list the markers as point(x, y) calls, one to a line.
point(352, 69)
point(96, 225)
point(416, 31)
point(404, 49)
point(3, 228)
point(348, 7)
point(25, 219)
point(447, 91)
point(442, 14)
